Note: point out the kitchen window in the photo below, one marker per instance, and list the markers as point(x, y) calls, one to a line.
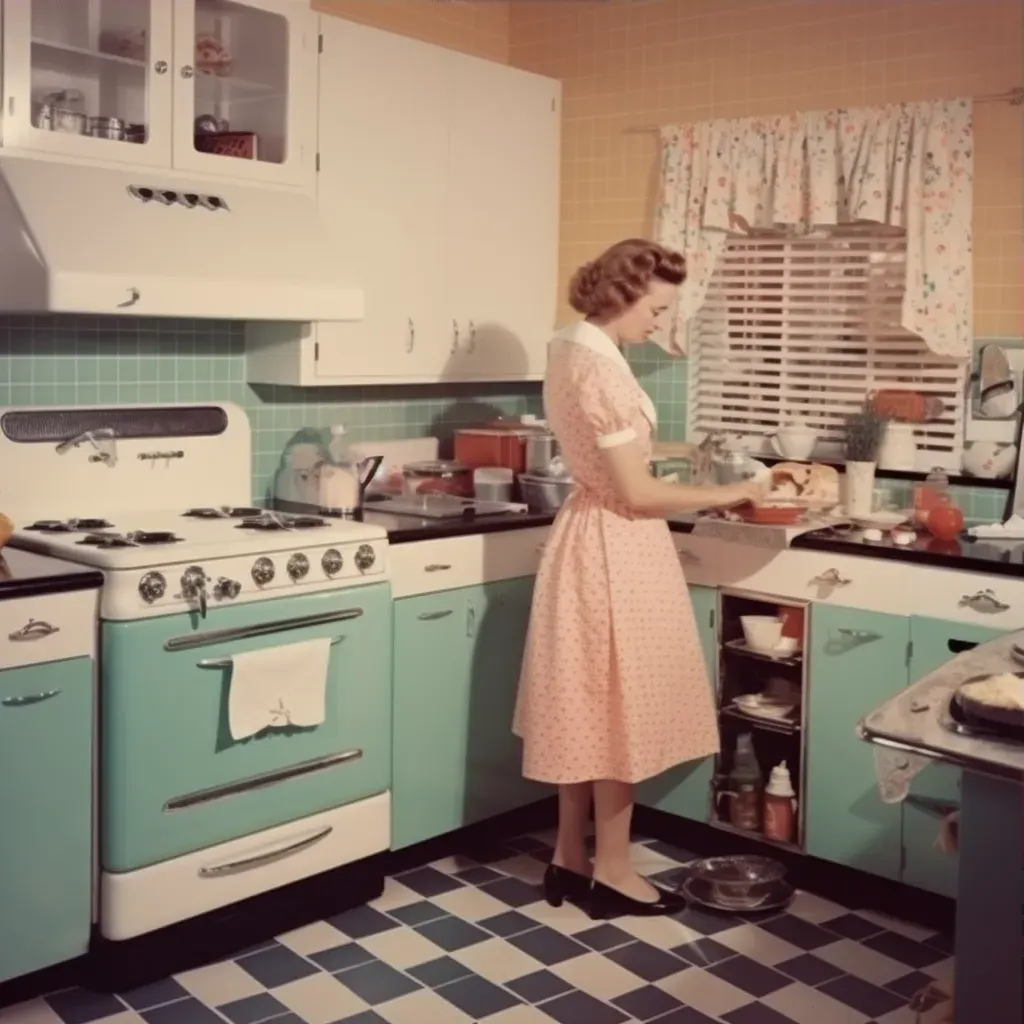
point(801, 328)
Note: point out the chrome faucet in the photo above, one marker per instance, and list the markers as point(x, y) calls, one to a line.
point(102, 439)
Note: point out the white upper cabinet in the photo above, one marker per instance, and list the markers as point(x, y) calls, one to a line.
point(503, 205)
point(224, 87)
point(439, 177)
point(383, 164)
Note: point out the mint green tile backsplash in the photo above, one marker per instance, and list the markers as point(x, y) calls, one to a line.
point(67, 360)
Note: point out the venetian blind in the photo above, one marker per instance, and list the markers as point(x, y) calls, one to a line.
point(801, 329)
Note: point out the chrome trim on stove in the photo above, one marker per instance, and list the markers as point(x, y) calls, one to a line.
point(34, 629)
point(295, 771)
point(227, 662)
point(223, 636)
point(267, 857)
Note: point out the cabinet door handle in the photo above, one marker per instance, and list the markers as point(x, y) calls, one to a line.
point(34, 629)
point(472, 336)
point(410, 342)
point(864, 636)
point(29, 698)
point(232, 867)
point(471, 620)
point(455, 336)
point(832, 577)
point(437, 567)
point(434, 616)
point(133, 296)
point(187, 71)
point(984, 601)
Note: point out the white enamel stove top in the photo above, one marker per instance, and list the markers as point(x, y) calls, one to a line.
point(158, 563)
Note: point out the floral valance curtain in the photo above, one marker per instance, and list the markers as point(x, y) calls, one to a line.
point(908, 165)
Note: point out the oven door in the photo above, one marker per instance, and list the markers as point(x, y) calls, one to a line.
point(172, 780)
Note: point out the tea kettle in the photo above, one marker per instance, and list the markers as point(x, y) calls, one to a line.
point(343, 478)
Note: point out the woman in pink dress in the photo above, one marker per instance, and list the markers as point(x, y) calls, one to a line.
point(613, 688)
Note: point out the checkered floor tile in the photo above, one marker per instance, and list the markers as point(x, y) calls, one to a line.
point(470, 939)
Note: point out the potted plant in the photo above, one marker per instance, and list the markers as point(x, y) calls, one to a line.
point(863, 431)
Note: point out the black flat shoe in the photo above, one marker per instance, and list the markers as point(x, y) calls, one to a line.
point(606, 902)
point(561, 884)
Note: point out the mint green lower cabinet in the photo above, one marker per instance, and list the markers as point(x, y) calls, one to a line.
point(456, 671)
point(935, 641)
point(858, 660)
point(46, 746)
point(685, 789)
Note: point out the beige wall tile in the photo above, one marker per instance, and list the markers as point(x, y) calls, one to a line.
point(634, 63)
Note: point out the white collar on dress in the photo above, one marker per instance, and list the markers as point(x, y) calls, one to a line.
point(592, 337)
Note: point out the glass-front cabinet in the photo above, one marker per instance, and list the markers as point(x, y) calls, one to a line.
point(225, 87)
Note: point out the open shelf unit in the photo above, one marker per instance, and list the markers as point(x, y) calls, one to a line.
point(744, 671)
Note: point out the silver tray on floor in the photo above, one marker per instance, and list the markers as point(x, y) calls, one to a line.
point(699, 891)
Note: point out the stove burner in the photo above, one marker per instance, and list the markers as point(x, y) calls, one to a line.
point(153, 537)
point(129, 540)
point(69, 525)
point(224, 512)
point(276, 521)
point(106, 540)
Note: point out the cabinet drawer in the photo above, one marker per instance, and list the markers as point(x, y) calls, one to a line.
point(47, 628)
point(956, 597)
point(432, 565)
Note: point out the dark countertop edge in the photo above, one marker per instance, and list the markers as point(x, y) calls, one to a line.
point(807, 541)
point(445, 528)
point(955, 479)
point(936, 559)
point(57, 584)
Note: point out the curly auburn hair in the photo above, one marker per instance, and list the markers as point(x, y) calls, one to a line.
point(620, 276)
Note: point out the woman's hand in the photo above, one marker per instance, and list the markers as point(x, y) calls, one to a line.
point(753, 491)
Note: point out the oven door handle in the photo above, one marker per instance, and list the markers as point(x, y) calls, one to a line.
point(287, 849)
point(228, 662)
point(225, 636)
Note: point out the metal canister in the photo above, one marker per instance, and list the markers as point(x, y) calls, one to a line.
point(107, 128)
point(541, 451)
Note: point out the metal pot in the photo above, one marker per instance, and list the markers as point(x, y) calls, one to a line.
point(541, 450)
point(734, 467)
point(60, 119)
point(111, 128)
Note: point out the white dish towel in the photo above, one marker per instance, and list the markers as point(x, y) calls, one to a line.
point(277, 687)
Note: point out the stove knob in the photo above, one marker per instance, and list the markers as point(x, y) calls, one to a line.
point(227, 590)
point(298, 566)
point(365, 557)
point(262, 571)
point(193, 586)
point(152, 587)
point(332, 561)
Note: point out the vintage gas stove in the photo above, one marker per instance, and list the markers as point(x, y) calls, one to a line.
point(189, 820)
point(158, 562)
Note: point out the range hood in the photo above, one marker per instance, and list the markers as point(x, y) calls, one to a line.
point(78, 239)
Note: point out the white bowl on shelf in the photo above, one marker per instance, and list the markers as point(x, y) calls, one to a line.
point(762, 632)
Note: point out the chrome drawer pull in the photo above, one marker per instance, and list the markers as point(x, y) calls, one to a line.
point(232, 867)
point(254, 782)
point(227, 662)
point(437, 568)
point(863, 635)
point(434, 616)
point(984, 601)
point(30, 698)
point(34, 629)
point(832, 577)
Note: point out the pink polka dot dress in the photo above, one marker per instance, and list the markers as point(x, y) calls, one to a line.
point(613, 684)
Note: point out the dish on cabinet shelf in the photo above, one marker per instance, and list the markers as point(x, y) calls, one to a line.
point(764, 706)
point(740, 646)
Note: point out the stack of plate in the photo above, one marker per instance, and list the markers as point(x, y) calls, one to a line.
point(762, 705)
point(739, 884)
